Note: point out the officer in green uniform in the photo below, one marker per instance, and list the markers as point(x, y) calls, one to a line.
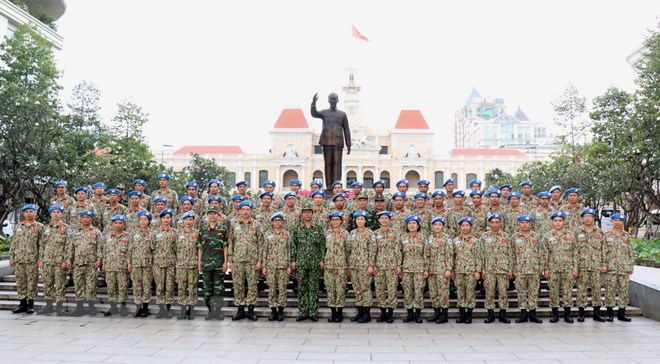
point(561, 266)
point(498, 263)
point(141, 259)
point(362, 253)
point(115, 263)
point(467, 268)
point(52, 259)
point(620, 262)
point(187, 273)
point(164, 250)
point(277, 265)
point(24, 256)
point(389, 257)
point(529, 265)
point(590, 244)
point(440, 255)
point(212, 251)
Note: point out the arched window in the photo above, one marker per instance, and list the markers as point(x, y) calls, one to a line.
point(351, 177)
point(439, 179)
point(469, 177)
point(317, 176)
point(385, 176)
point(288, 176)
point(263, 176)
point(413, 177)
point(248, 178)
point(455, 177)
point(230, 179)
point(368, 178)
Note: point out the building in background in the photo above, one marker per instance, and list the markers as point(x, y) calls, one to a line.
point(41, 14)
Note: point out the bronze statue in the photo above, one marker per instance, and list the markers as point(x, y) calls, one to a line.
point(335, 131)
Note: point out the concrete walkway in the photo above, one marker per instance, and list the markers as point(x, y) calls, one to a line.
point(118, 340)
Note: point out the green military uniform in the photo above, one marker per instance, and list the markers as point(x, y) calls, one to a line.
point(528, 202)
point(456, 213)
point(71, 216)
point(440, 255)
point(590, 259)
point(498, 262)
point(164, 251)
point(24, 251)
point(542, 223)
point(262, 215)
point(530, 260)
point(145, 202)
point(479, 214)
point(65, 201)
point(510, 222)
point(52, 253)
point(320, 217)
point(560, 250)
point(84, 251)
point(115, 259)
point(276, 260)
point(291, 217)
point(308, 251)
point(620, 260)
point(389, 257)
point(187, 274)
point(141, 259)
point(426, 215)
point(171, 196)
point(573, 216)
point(107, 213)
point(398, 220)
point(468, 261)
point(132, 219)
point(245, 244)
point(336, 265)
point(99, 203)
point(362, 252)
point(212, 243)
point(414, 265)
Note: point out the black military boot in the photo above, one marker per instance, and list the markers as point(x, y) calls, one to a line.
point(360, 312)
point(112, 310)
point(383, 315)
point(48, 309)
point(491, 316)
point(280, 314)
point(442, 317)
point(169, 313)
point(92, 308)
point(555, 315)
point(273, 314)
point(216, 304)
point(503, 319)
point(123, 310)
point(567, 315)
point(250, 315)
point(597, 316)
point(182, 312)
point(30, 307)
point(189, 313)
point(209, 315)
point(621, 316)
point(418, 315)
point(240, 314)
point(410, 317)
point(145, 310)
point(580, 314)
point(468, 316)
point(436, 313)
point(366, 317)
point(69, 281)
point(162, 311)
point(22, 307)
point(79, 310)
point(533, 318)
point(390, 315)
point(610, 314)
point(461, 315)
point(524, 317)
point(340, 314)
point(138, 310)
point(333, 315)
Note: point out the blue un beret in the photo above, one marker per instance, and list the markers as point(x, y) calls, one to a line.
point(160, 199)
point(245, 203)
point(134, 193)
point(192, 184)
point(165, 212)
point(379, 182)
point(140, 182)
point(145, 213)
point(29, 206)
point(55, 207)
point(277, 215)
point(513, 194)
point(60, 183)
point(525, 218)
point(121, 218)
point(476, 192)
point(404, 181)
point(341, 194)
point(212, 181)
point(458, 193)
point(494, 216)
point(187, 198)
point(334, 214)
point(398, 194)
point(99, 184)
point(188, 214)
point(414, 218)
point(361, 213)
point(553, 188)
point(81, 188)
point(506, 185)
point(421, 195)
point(268, 183)
point(316, 183)
point(477, 181)
point(87, 213)
point(215, 198)
point(572, 190)
point(357, 184)
point(385, 213)
point(290, 194)
point(164, 175)
point(295, 182)
point(543, 194)
point(589, 211)
point(270, 194)
point(237, 198)
point(619, 217)
point(558, 214)
point(495, 191)
point(465, 219)
point(423, 182)
point(439, 219)
point(241, 183)
point(526, 183)
point(449, 180)
point(318, 192)
point(438, 192)
point(113, 191)
point(338, 182)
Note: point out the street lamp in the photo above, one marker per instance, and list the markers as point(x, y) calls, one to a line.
point(162, 152)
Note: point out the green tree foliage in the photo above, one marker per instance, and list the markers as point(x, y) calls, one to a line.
point(200, 170)
point(570, 109)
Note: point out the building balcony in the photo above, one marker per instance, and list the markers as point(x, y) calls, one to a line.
point(53, 9)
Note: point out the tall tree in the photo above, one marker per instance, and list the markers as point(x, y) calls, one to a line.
point(570, 108)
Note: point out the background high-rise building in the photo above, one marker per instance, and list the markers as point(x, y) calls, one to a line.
point(41, 14)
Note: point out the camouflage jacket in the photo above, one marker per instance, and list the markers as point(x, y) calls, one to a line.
point(212, 243)
point(115, 249)
point(53, 244)
point(25, 242)
point(542, 223)
point(362, 249)
point(186, 248)
point(107, 214)
point(414, 259)
point(479, 216)
point(277, 249)
point(619, 252)
point(171, 196)
point(389, 251)
point(140, 248)
point(440, 253)
point(529, 252)
point(132, 220)
point(308, 246)
point(245, 241)
point(336, 249)
point(560, 250)
point(468, 255)
point(86, 247)
point(164, 247)
point(72, 218)
point(590, 247)
point(497, 252)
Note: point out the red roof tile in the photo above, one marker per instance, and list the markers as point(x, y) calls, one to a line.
point(209, 149)
point(486, 152)
point(411, 119)
point(291, 119)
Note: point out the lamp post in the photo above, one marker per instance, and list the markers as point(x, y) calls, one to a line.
point(162, 152)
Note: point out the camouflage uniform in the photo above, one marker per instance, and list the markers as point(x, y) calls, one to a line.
point(542, 223)
point(456, 213)
point(479, 214)
point(291, 218)
point(171, 196)
point(560, 250)
point(510, 222)
point(573, 216)
point(336, 264)
point(145, 202)
point(107, 214)
point(99, 207)
point(24, 252)
point(115, 260)
point(164, 250)
point(132, 220)
point(308, 251)
point(177, 220)
point(351, 220)
point(530, 260)
point(276, 259)
point(528, 202)
point(556, 205)
point(590, 259)
point(440, 255)
point(320, 217)
point(398, 220)
point(245, 244)
point(414, 265)
point(263, 215)
point(345, 218)
point(362, 252)
point(212, 242)
point(141, 259)
point(187, 274)
point(467, 262)
point(389, 256)
point(52, 253)
point(498, 261)
point(71, 217)
point(618, 254)
point(84, 250)
point(65, 201)
point(425, 214)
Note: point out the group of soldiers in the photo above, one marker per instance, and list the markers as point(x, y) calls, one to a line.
point(446, 238)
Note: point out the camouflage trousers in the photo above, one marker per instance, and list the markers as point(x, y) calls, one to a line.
point(585, 280)
point(561, 283)
point(27, 276)
point(86, 279)
point(277, 280)
point(335, 285)
point(54, 282)
point(527, 286)
point(186, 279)
point(164, 277)
point(413, 290)
point(362, 287)
point(308, 291)
point(242, 272)
point(141, 277)
point(616, 284)
point(214, 284)
point(465, 285)
point(117, 282)
point(501, 282)
point(439, 290)
point(386, 284)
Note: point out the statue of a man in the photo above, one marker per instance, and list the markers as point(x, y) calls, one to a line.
point(335, 131)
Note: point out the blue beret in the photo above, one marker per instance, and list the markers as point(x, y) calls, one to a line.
point(241, 183)
point(385, 213)
point(525, 218)
point(165, 212)
point(290, 194)
point(465, 219)
point(269, 194)
point(245, 203)
point(160, 199)
point(187, 198)
point(316, 183)
point(134, 193)
point(121, 218)
point(513, 194)
point(29, 206)
point(237, 198)
point(477, 181)
point(335, 214)
point(212, 181)
point(558, 214)
point(113, 191)
point(140, 182)
point(269, 183)
point(589, 211)
point(438, 192)
point(295, 182)
point(495, 191)
point(318, 192)
point(60, 183)
point(215, 198)
point(145, 213)
point(439, 219)
point(414, 218)
point(357, 184)
point(99, 184)
point(398, 194)
point(572, 190)
point(192, 184)
point(619, 217)
point(543, 194)
point(277, 215)
point(404, 181)
point(361, 213)
point(188, 214)
point(81, 188)
point(87, 213)
point(494, 216)
point(506, 185)
point(421, 195)
point(553, 188)
point(379, 182)
point(341, 194)
point(527, 183)
point(449, 180)
point(458, 193)
point(338, 182)
point(476, 192)
point(423, 182)
point(164, 175)
point(55, 207)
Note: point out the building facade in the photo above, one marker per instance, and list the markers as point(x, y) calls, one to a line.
point(39, 13)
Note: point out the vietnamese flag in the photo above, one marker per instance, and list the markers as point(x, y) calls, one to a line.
point(357, 34)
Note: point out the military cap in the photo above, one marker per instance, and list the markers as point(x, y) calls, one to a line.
point(421, 195)
point(145, 213)
point(268, 183)
point(476, 192)
point(189, 214)
point(398, 194)
point(140, 182)
point(362, 196)
point(543, 194)
point(99, 184)
point(113, 191)
point(526, 183)
point(495, 191)
point(341, 194)
point(316, 183)
point(572, 190)
point(506, 185)
point(56, 207)
point(212, 181)
point(379, 182)
point(414, 218)
point(465, 219)
point(334, 214)
point(269, 194)
point(458, 193)
point(87, 213)
point(553, 188)
point(307, 206)
point(121, 218)
point(295, 182)
point(404, 181)
point(29, 206)
point(241, 183)
point(187, 198)
point(477, 181)
point(338, 182)
point(318, 192)
point(160, 199)
point(589, 211)
point(525, 218)
point(164, 175)
point(215, 198)
point(290, 194)
point(379, 198)
point(423, 182)
point(558, 214)
point(449, 180)
point(60, 183)
point(237, 198)
point(361, 214)
point(246, 203)
point(439, 219)
point(214, 209)
point(277, 215)
point(621, 217)
point(165, 212)
point(120, 186)
point(385, 213)
point(513, 194)
point(134, 193)
point(81, 188)
point(438, 192)
point(192, 184)
point(357, 184)
point(494, 216)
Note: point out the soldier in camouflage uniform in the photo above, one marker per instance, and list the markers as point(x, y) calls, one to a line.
point(85, 255)
point(561, 266)
point(402, 186)
point(159, 204)
point(379, 206)
point(361, 204)
point(335, 266)
point(511, 213)
point(213, 201)
point(556, 200)
point(265, 210)
point(439, 208)
point(52, 258)
point(399, 212)
point(440, 255)
point(498, 263)
point(457, 211)
point(527, 200)
point(187, 273)
point(186, 204)
point(99, 199)
point(140, 262)
point(573, 209)
point(590, 241)
point(235, 211)
point(24, 257)
point(112, 208)
point(115, 264)
point(619, 258)
point(449, 191)
point(276, 255)
point(478, 212)
point(164, 251)
point(145, 200)
point(212, 251)
point(192, 190)
point(82, 203)
point(422, 210)
point(276, 203)
point(291, 211)
point(320, 212)
point(352, 202)
point(165, 192)
point(378, 189)
point(339, 205)
point(389, 257)
point(505, 190)
point(245, 244)
point(542, 223)
point(307, 254)
point(529, 265)
point(132, 211)
point(467, 268)
point(241, 189)
point(61, 198)
point(362, 252)
point(213, 190)
point(415, 269)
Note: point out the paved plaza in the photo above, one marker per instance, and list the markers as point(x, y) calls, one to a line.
point(127, 340)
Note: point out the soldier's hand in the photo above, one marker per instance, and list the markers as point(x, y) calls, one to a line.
point(603, 269)
point(398, 270)
point(478, 276)
point(97, 265)
point(258, 266)
point(425, 274)
point(576, 273)
point(293, 266)
point(63, 266)
point(40, 264)
point(370, 271)
point(103, 269)
point(546, 274)
point(230, 266)
point(129, 268)
point(322, 266)
point(448, 274)
point(264, 271)
point(288, 271)
point(12, 263)
point(224, 267)
point(509, 276)
point(315, 98)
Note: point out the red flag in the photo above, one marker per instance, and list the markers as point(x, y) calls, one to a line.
point(357, 34)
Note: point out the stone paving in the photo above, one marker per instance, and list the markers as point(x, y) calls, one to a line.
point(41, 339)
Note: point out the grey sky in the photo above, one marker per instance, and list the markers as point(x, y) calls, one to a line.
point(205, 70)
